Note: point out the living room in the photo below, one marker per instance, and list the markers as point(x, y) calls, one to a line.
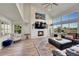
point(49, 29)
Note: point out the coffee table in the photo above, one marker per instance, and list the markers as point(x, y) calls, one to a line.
point(61, 43)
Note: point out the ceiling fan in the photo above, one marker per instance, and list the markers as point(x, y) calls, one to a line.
point(49, 4)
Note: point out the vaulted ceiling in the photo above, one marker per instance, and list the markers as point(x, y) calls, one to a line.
point(60, 9)
point(10, 11)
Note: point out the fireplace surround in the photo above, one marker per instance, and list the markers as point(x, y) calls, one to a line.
point(40, 33)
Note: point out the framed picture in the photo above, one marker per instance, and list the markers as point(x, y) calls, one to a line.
point(40, 16)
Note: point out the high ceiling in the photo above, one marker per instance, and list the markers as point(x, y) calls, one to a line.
point(10, 11)
point(60, 9)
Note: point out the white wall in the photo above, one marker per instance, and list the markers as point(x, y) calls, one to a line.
point(20, 8)
point(34, 32)
point(4, 19)
point(29, 19)
point(27, 12)
point(25, 29)
point(49, 22)
point(24, 10)
point(26, 25)
point(0, 28)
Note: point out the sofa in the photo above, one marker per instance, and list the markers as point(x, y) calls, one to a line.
point(73, 51)
point(16, 37)
point(58, 52)
point(73, 37)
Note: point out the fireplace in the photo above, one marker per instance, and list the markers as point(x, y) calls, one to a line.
point(40, 33)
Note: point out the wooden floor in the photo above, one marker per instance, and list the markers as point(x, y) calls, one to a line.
point(29, 47)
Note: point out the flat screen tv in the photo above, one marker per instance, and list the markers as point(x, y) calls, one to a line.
point(40, 25)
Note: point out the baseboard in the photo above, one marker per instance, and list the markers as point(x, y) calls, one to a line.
point(16, 41)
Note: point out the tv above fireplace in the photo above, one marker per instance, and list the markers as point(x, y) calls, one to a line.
point(40, 25)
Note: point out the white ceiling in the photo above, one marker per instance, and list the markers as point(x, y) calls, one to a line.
point(60, 9)
point(10, 11)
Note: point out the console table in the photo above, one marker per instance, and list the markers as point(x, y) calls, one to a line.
point(27, 36)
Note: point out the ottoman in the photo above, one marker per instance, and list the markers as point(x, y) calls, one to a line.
point(6, 43)
point(60, 44)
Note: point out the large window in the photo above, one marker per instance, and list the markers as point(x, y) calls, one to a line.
point(57, 20)
point(54, 20)
point(6, 29)
point(65, 18)
point(57, 28)
point(70, 16)
point(73, 27)
point(70, 27)
point(68, 21)
point(65, 27)
point(73, 15)
point(17, 29)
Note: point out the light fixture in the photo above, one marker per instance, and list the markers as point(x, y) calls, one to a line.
point(49, 4)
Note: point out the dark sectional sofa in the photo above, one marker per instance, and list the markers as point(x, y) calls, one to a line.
point(60, 45)
point(74, 37)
